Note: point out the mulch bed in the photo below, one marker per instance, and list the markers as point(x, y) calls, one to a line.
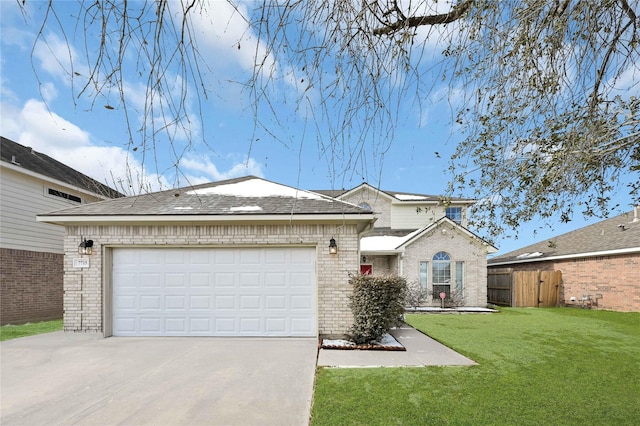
point(387, 343)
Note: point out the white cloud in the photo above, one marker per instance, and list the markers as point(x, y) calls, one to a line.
point(44, 131)
point(192, 165)
point(49, 92)
point(59, 59)
point(224, 31)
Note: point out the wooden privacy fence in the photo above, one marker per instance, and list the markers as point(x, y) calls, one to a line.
point(506, 287)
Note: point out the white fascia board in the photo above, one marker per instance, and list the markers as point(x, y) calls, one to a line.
point(432, 202)
point(363, 187)
point(50, 180)
point(159, 219)
point(570, 256)
point(381, 252)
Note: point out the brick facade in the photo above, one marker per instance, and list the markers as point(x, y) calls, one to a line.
point(31, 286)
point(460, 248)
point(616, 278)
point(83, 288)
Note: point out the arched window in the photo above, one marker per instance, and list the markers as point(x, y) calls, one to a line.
point(441, 274)
point(365, 206)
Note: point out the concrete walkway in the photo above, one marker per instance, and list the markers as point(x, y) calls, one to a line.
point(421, 351)
point(79, 379)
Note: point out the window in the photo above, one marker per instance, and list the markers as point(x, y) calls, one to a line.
point(365, 206)
point(424, 271)
point(60, 194)
point(460, 279)
point(441, 274)
point(455, 214)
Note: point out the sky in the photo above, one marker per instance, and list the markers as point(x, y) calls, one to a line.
point(41, 107)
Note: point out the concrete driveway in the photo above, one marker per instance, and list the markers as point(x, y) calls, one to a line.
point(63, 378)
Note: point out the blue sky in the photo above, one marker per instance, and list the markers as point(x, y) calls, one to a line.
point(38, 109)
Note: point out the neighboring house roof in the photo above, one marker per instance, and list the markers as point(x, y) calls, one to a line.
point(248, 197)
point(617, 235)
point(396, 196)
point(390, 244)
point(23, 158)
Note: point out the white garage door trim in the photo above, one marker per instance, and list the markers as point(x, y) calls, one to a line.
point(183, 291)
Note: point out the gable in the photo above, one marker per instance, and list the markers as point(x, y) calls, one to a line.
point(379, 202)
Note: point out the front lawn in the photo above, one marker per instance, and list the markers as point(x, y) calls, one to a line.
point(14, 331)
point(537, 366)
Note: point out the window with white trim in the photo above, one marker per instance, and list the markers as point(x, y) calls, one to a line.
point(424, 275)
point(441, 274)
point(460, 279)
point(455, 214)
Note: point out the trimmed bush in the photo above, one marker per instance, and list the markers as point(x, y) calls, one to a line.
point(377, 304)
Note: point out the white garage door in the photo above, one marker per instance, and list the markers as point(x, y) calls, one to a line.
point(214, 292)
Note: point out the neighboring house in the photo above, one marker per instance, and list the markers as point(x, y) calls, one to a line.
point(425, 239)
point(600, 263)
point(31, 253)
point(242, 257)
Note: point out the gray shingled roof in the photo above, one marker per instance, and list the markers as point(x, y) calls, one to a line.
point(248, 195)
point(617, 233)
point(25, 157)
point(409, 197)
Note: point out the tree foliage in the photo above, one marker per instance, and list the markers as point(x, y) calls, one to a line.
point(542, 92)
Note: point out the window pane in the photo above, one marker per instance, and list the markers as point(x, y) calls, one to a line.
point(459, 277)
point(423, 274)
point(454, 213)
point(441, 274)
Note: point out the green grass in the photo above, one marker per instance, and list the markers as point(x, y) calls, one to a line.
point(536, 367)
point(14, 331)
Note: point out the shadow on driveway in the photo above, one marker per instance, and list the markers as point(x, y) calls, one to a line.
point(64, 378)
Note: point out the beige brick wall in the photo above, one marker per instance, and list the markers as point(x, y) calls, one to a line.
point(83, 288)
point(382, 265)
point(460, 247)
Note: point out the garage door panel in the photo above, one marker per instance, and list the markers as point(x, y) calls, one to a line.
point(200, 303)
point(150, 303)
point(175, 325)
point(275, 303)
point(250, 257)
point(275, 279)
point(200, 325)
point(200, 279)
point(276, 325)
point(174, 302)
point(249, 279)
point(301, 302)
point(175, 280)
point(225, 302)
point(127, 302)
point(225, 292)
point(152, 257)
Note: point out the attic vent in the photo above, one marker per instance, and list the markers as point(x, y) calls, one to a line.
point(60, 194)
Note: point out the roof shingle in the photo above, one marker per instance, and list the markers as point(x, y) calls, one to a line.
point(242, 196)
point(617, 233)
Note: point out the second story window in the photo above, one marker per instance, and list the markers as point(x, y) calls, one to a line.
point(455, 214)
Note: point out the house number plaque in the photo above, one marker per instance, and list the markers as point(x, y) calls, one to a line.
point(81, 262)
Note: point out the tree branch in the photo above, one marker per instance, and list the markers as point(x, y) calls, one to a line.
point(416, 21)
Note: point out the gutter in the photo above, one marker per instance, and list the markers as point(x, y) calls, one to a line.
point(238, 218)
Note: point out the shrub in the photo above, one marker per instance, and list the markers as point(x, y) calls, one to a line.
point(416, 294)
point(377, 304)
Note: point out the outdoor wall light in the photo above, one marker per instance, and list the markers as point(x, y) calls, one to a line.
point(364, 259)
point(86, 246)
point(333, 247)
